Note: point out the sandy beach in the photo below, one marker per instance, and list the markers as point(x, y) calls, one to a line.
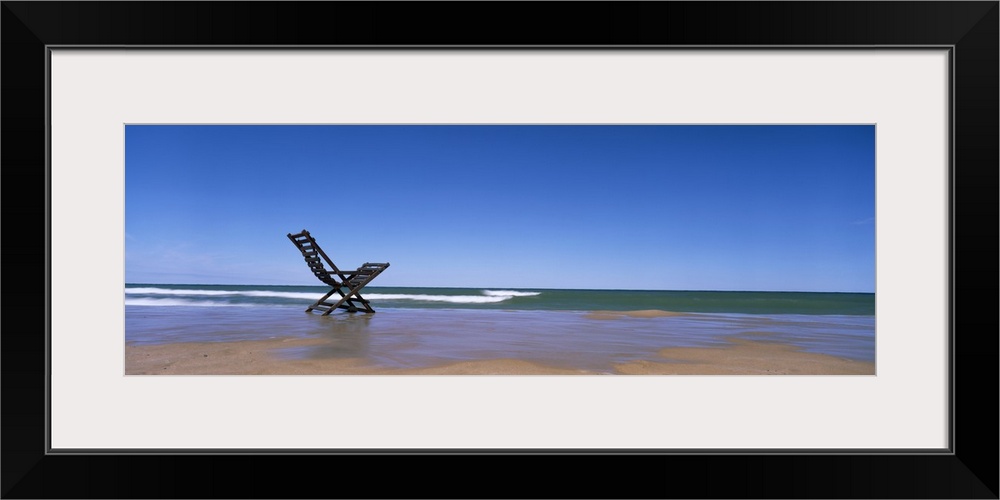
point(738, 357)
point(744, 357)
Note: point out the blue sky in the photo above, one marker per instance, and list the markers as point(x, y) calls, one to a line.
point(519, 206)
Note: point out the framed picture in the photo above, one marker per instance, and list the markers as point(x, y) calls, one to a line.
point(132, 90)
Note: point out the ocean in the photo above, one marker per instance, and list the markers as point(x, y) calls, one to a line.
point(808, 303)
point(416, 327)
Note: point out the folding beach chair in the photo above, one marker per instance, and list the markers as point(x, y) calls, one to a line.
point(352, 281)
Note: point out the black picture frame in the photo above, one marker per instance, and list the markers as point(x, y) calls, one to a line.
point(970, 29)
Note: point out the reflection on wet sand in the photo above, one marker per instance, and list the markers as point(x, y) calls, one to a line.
point(241, 341)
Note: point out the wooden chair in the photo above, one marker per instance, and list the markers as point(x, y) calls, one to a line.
point(353, 281)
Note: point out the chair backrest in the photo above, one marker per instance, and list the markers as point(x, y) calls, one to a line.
point(314, 257)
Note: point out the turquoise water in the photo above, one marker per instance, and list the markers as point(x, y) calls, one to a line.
point(427, 326)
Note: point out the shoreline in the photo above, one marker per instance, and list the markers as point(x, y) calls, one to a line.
point(260, 357)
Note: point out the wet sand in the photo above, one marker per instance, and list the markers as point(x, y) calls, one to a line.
point(259, 357)
point(646, 313)
point(745, 357)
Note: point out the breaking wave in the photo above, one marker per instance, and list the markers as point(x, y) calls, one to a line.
point(147, 301)
point(155, 296)
point(221, 293)
point(488, 297)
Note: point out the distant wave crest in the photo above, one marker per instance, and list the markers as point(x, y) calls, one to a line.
point(487, 297)
point(148, 301)
point(509, 293)
point(218, 293)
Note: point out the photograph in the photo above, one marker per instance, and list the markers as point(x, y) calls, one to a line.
point(446, 233)
point(500, 249)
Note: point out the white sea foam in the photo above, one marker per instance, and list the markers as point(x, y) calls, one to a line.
point(148, 301)
point(217, 293)
point(170, 291)
point(455, 299)
point(509, 293)
point(487, 297)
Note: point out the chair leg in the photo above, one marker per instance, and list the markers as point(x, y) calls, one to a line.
point(364, 303)
point(336, 304)
point(347, 297)
point(320, 301)
point(353, 295)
